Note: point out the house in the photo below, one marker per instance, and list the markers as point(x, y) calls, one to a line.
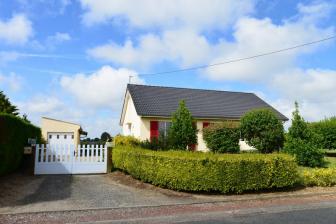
point(147, 110)
point(61, 132)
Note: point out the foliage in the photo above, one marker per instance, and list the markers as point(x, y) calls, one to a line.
point(322, 177)
point(306, 154)
point(222, 137)
point(6, 106)
point(263, 130)
point(300, 142)
point(105, 137)
point(14, 133)
point(207, 172)
point(182, 131)
point(121, 140)
point(160, 143)
point(299, 128)
point(326, 130)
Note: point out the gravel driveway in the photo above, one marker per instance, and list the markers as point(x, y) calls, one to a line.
point(23, 193)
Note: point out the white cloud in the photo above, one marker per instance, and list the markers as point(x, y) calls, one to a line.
point(16, 30)
point(104, 88)
point(312, 88)
point(178, 46)
point(11, 81)
point(202, 14)
point(59, 37)
point(253, 37)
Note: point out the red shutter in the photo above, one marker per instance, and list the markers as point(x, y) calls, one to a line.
point(205, 124)
point(154, 130)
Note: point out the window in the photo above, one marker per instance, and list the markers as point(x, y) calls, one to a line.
point(65, 136)
point(129, 128)
point(50, 136)
point(164, 128)
point(57, 136)
point(72, 136)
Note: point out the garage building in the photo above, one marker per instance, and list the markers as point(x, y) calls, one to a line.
point(61, 132)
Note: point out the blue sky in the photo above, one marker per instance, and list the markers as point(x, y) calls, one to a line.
point(71, 59)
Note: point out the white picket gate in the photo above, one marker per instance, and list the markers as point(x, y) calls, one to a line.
point(66, 159)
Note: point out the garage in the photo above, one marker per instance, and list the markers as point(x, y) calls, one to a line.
point(61, 132)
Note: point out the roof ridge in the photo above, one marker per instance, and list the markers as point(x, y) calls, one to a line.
point(172, 87)
point(49, 118)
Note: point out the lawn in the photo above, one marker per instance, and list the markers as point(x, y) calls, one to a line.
point(330, 162)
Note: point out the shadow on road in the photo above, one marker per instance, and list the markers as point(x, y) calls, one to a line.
point(21, 189)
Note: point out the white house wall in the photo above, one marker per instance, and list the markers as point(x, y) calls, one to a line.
point(131, 117)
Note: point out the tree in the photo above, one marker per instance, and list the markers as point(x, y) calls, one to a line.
point(182, 132)
point(105, 137)
point(6, 106)
point(263, 130)
point(299, 128)
point(301, 142)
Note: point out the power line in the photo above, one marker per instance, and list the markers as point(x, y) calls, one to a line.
point(239, 59)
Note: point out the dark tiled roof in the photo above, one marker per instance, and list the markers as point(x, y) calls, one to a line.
point(163, 101)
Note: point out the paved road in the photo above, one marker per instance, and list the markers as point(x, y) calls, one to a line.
point(305, 216)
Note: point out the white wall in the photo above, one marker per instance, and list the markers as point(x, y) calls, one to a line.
point(131, 117)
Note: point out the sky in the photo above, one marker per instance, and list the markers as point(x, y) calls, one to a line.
point(71, 60)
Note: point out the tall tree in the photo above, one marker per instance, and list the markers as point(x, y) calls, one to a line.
point(6, 106)
point(182, 132)
point(105, 136)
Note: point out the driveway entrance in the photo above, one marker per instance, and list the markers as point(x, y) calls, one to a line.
point(67, 159)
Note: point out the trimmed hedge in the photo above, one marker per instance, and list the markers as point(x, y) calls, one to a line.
point(207, 172)
point(14, 133)
point(122, 140)
point(322, 177)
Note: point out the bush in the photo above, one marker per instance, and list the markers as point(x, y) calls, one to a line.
point(326, 130)
point(121, 140)
point(263, 130)
point(160, 143)
point(322, 177)
point(207, 172)
point(222, 137)
point(305, 153)
point(14, 133)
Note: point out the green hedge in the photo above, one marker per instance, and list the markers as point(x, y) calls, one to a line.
point(322, 177)
point(14, 133)
point(207, 172)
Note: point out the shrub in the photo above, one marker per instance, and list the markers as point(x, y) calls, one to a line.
point(121, 140)
point(207, 172)
point(263, 130)
point(223, 137)
point(300, 142)
point(14, 133)
point(326, 130)
point(182, 132)
point(160, 143)
point(305, 153)
point(322, 177)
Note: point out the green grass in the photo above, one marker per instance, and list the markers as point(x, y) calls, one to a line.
point(330, 162)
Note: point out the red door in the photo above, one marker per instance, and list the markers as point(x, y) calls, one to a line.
point(154, 130)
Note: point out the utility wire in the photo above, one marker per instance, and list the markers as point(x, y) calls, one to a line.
point(237, 60)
